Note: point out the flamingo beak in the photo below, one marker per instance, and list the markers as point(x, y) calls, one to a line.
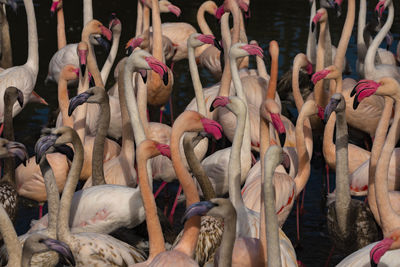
point(53, 8)
point(42, 145)
point(379, 250)
point(212, 127)
point(106, 33)
point(331, 107)
point(20, 98)
point(18, 150)
point(174, 9)
point(219, 101)
point(82, 61)
point(159, 68)
point(60, 247)
point(198, 209)
point(164, 150)
point(77, 101)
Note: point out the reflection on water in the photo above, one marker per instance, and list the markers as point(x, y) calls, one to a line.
point(285, 21)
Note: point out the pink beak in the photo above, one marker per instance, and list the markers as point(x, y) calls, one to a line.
point(174, 9)
point(106, 33)
point(54, 7)
point(319, 75)
point(253, 50)
point(212, 127)
point(159, 68)
point(277, 122)
point(164, 150)
point(379, 250)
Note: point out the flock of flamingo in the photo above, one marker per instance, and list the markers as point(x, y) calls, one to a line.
point(248, 189)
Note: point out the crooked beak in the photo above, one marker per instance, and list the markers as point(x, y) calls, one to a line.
point(42, 145)
point(53, 8)
point(212, 127)
point(159, 68)
point(18, 150)
point(197, 209)
point(174, 9)
point(77, 101)
point(61, 248)
point(379, 250)
point(331, 107)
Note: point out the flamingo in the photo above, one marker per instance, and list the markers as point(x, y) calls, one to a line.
point(6, 50)
point(350, 222)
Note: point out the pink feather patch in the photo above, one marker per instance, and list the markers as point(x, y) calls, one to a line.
point(157, 66)
point(174, 9)
point(253, 50)
point(321, 112)
point(220, 101)
point(164, 150)
point(277, 122)
point(319, 75)
point(206, 38)
point(212, 127)
point(243, 6)
point(380, 249)
point(220, 11)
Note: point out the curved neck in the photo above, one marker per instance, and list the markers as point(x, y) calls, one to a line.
point(156, 238)
point(361, 47)
point(343, 198)
point(105, 71)
point(243, 62)
point(201, 21)
point(53, 197)
point(11, 241)
point(298, 99)
point(303, 130)
point(191, 231)
point(61, 39)
point(226, 43)
point(142, 102)
point(228, 239)
point(389, 218)
point(139, 18)
point(6, 59)
point(320, 95)
point(196, 167)
point(87, 11)
point(369, 64)
point(157, 33)
point(328, 147)
point(63, 102)
point(80, 112)
point(197, 86)
point(346, 34)
point(273, 77)
point(98, 146)
point(272, 232)
point(339, 82)
point(63, 231)
point(261, 69)
point(33, 47)
point(312, 37)
point(91, 59)
point(380, 137)
point(9, 163)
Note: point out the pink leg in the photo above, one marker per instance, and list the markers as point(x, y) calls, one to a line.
point(329, 256)
point(298, 219)
point(253, 159)
point(300, 264)
point(172, 66)
point(163, 184)
point(166, 201)
point(171, 215)
point(171, 111)
point(161, 114)
point(302, 202)
point(1, 128)
point(327, 178)
point(41, 210)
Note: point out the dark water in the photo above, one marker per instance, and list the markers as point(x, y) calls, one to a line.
point(285, 21)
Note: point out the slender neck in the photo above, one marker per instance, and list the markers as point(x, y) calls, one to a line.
point(196, 167)
point(105, 71)
point(389, 218)
point(6, 59)
point(63, 102)
point(228, 240)
point(361, 47)
point(156, 238)
point(139, 18)
point(128, 145)
point(369, 64)
point(343, 198)
point(312, 39)
point(98, 146)
point(157, 33)
point(9, 163)
point(142, 102)
point(198, 88)
point(346, 34)
point(91, 59)
point(188, 242)
point(226, 43)
point(61, 39)
point(380, 137)
point(201, 21)
point(33, 47)
point(63, 231)
point(303, 130)
point(273, 77)
point(87, 11)
point(243, 62)
point(297, 64)
point(320, 95)
point(272, 232)
point(53, 197)
point(80, 112)
point(261, 69)
point(11, 241)
point(328, 147)
point(146, 18)
point(339, 82)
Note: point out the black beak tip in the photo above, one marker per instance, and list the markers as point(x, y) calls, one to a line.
point(52, 14)
point(129, 51)
point(217, 45)
point(165, 78)
point(83, 69)
point(354, 91)
point(282, 138)
point(91, 82)
point(312, 26)
point(355, 103)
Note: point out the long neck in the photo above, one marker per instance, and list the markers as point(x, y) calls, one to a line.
point(312, 39)
point(33, 47)
point(133, 111)
point(361, 47)
point(380, 137)
point(369, 64)
point(201, 21)
point(196, 167)
point(98, 146)
point(9, 163)
point(87, 11)
point(6, 59)
point(244, 61)
point(228, 240)
point(53, 197)
point(198, 88)
point(346, 34)
point(63, 102)
point(320, 95)
point(343, 198)
point(339, 83)
point(226, 43)
point(142, 102)
point(80, 112)
point(91, 59)
point(105, 71)
point(303, 130)
point(10, 239)
point(128, 145)
point(188, 242)
point(389, 218)
point(298, 99)
point(272, 232)
point(156, 238)
point(61, 39)
point(329, 147)
point(157, 33)
point(139, 18)
point(273, 78)
point(63, 231)
point(146, 18)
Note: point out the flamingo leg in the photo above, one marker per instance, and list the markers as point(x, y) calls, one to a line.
point(171, 215)
point(163, 184)
point(328, 260)
point(327, 178)
point(1, 128)
point(161, 113)
point(171, 111)
point(298, 219)
point(41, 210)
point(302, 211)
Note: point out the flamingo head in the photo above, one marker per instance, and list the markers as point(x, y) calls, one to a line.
point(113, 21)
point(219, 101)
point(44, 145)
point(380, 8)
point(239, 50)
point(337, 5)
point(309, 68)
point(320, 16)
point(92, 95)
point(13, 149)
point(56, 4)
point(164, 150)
point(212, 127)
point(389, 243)
point(363, 89)
point(336, 103)
point(132, 44)
point(220, 11)
point(159, 67)
point(209, 39)
point(319, 75)
point(83, 52)
point(198, 209)
point(245, 8)
point(174, 9)
point(13, 94)
point(279, 127)
point(331, 72)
